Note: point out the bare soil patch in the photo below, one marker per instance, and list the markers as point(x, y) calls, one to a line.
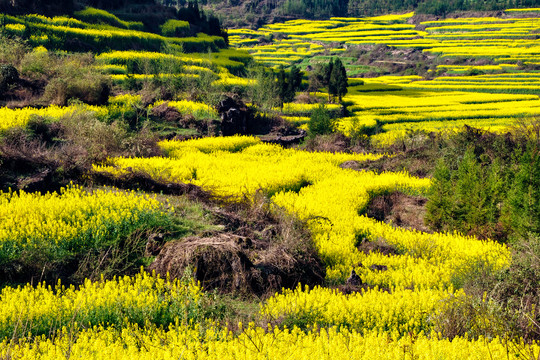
point(399, 209)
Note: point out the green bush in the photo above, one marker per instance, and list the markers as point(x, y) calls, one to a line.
point(76, 79)
point(320, 122)
point(8, 76)
point(99, 16)
point(175, 28)
point(35, 65)
point(12, 51)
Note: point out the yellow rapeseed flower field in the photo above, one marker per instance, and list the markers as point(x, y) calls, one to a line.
point(56, 225)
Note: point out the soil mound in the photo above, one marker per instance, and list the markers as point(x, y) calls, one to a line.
point(399, 209)
point(377, 246)
point(258, 252)
point(142, 181)
point(230, 263)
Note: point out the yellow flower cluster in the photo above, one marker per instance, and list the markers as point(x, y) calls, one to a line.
point(209, 145)
point(235, 166)
point(112, 69)
point(400, 312)
point(123, 57)
point(305, 109)
point(523, 10)
point(20, 117)
point(332, 206)
point(17, 29)
point(466, 68)
point(400, 112)
point(370, 324)
point(228, 79)
point(139, 299)
point(197, 109)
point(57, 225)
point(513, 83)
point(253, 343)
point(402, 132)
point(120, 78)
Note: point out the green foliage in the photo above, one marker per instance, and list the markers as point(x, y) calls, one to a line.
point(315, 9)
point(333, 76)
point(233, 60)
point(206, 24)
point(487, 185)
point(439, 206)
point(8, 76)
point(288, 84)
point(99, 16)
point(468, 198)
point(75, 79)
point(183, 303)
point(106, 37)
point(337, 82)
point(12, 50)
point(264, 92)
point(175, 28)
point(523, 203)
point(498, 303)
point(320, 121)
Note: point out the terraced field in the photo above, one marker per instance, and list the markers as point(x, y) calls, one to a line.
point(503, 40)
point(394, 106)
point(392, 302)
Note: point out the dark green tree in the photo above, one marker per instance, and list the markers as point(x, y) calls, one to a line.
point(337, 84)
point(288, 84)
point(328, 72)
point(281, 85)
point(439, 205)
point(294, 81)
point(467, 199)
point(523, 205)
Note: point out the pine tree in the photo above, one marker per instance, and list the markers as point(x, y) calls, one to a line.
point(439, 205)
point(320, 121)
point(337, 85)
point(281, 86)
point(469, 194)
point(524, 197)
point(341, 81)
point(327, 74)
point(294, 81)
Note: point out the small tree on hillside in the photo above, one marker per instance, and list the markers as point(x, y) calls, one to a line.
point(264, 92)
point(288, 84)
point(333, 76)
point(281, 85)
point(337, 86)
point(293, 83)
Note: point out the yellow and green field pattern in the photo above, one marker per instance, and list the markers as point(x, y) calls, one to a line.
point(185, 59)
point(505, 40)
point(149, 317)
point(57, 225)
point(314, 187)
point(422, 106)
point(117, 105)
